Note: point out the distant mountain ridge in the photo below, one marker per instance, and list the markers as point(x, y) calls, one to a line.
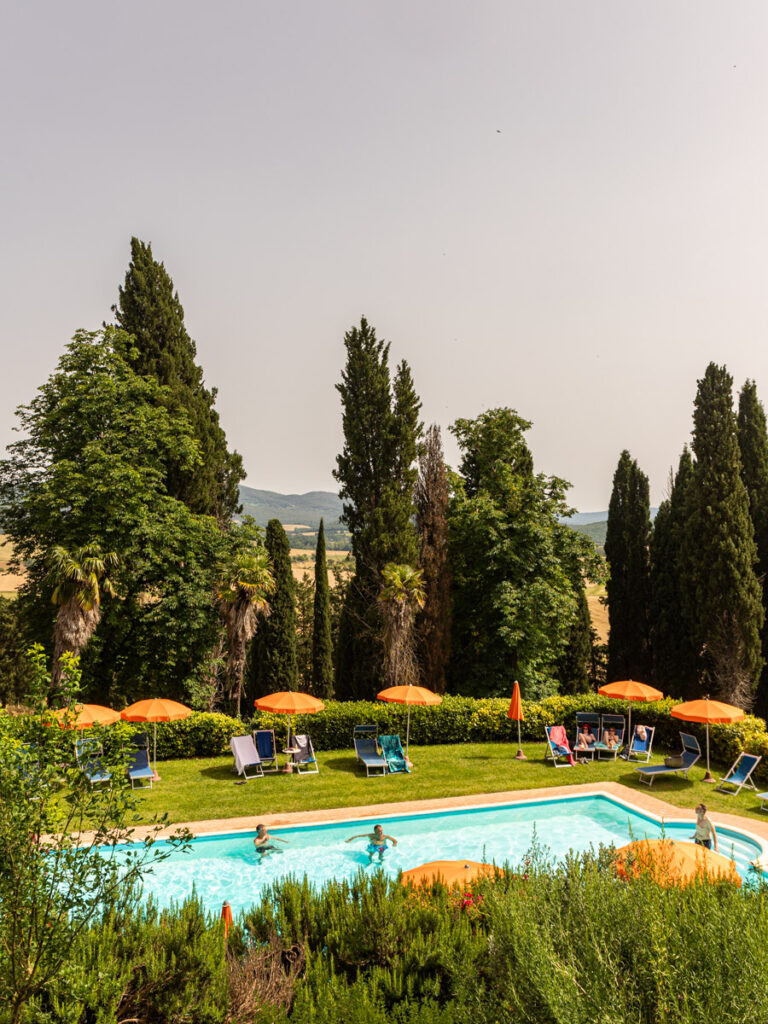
point(307, 509)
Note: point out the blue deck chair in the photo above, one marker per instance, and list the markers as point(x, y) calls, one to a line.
point(87, 752)
point(393, 752)
point(619, 723)
point(247, 760)
point(739, 773)
point(592, 719)
point(267, 748)
point(640, 750)
point(558, 752)
point(690, 755)
point(303, 758)
point(366, 749)
point(139, 768)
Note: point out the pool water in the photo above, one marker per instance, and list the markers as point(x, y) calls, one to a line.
point(228, 868)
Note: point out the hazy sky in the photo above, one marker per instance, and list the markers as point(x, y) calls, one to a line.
point(560, 207)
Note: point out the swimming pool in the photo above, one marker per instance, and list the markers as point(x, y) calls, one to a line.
point(226, 867)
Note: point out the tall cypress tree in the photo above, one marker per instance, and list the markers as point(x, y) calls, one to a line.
point(626, 549)
point(322, 649)
point(753, 445)
point(672, 623)
point(150, 310)
point(433, 623)
point(376, 474)
point(275, 643)
point(721, 549)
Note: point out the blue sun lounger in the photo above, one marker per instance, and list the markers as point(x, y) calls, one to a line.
point(303, 760)
point(640, 750)
point(87, 753)
point(690, 755)
point(393, 752)
point(139, 768)
point(739, 773)
point(366, 749)
point(267, 748)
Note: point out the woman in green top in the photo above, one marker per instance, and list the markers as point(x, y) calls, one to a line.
point(705, 834)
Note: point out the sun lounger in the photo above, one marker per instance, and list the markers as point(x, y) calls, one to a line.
point(247, 760)
point(303, 760)
point(690, 755)
point(739, 773)
point(267, 748)
point(366, 749)
point(604, 752)
point(87, 752)
point(639, 749)
point(591, 719)
point(557, 746)
point(139, 768)
point(392, 750)
point(763, 798)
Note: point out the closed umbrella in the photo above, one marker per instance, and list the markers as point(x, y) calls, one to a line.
point(155, 709)
point(671, 863)
point(450, 872)
point(516, 714)
point(289, 702)
point(630, 690)
point(707, 711)
point(409, 695)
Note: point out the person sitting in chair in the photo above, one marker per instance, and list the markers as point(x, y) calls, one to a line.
point(586, 737)
point(610, 737)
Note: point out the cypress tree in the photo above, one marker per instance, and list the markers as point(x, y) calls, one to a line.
point(149, 309)
point(753, 445)
point(672, 624)
point(433, 624)
point(276, 662)
point(376, 474)
point(322, 650)
point(727, 600)
point(574, 664)
point(626, 549)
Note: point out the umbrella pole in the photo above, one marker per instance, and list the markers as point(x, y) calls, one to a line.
point(519, 756)
point(708, 777)
point(408, 731)
point(628, 737)
point(154, 753)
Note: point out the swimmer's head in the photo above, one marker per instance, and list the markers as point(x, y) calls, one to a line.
point(261, 828)
point(377, 829)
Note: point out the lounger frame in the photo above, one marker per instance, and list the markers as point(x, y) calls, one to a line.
point(691, 754)
point(269, 763)
point(398, 753)
point(585, 718)
point(139, 769)
point(246, 757)
point(604, 752)
point(362, 737)
point(551, 753)
point(644, 755)
point(744, 779)
point(88, 752)
point(304, 762)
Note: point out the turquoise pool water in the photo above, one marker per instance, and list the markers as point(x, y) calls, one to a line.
point(227, 867)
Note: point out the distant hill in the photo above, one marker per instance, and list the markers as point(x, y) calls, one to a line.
point(594, 524)
point(307, 509)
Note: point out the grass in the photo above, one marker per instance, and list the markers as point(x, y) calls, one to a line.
point(196, 790)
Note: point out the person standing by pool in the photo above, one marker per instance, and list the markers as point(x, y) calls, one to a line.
point(377, 842)
point(705, 834)
point(263, 841)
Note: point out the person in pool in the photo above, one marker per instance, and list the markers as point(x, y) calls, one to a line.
point(705, 834)
point(377, 842)
point(263, 841)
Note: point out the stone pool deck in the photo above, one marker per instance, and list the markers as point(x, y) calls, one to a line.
point(642, 801)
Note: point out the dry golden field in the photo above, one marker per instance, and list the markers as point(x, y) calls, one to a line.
point(308, 564)
point(598, 612)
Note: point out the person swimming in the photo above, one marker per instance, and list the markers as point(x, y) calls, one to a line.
point(263, 842)
point(377, 842)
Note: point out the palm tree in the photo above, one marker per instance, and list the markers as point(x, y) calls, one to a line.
point(248, 581)
point(79, 579)
point(401, 597)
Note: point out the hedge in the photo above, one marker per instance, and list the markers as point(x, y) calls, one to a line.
point(456, 720)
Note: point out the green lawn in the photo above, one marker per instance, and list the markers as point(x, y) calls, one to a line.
point(194, 790)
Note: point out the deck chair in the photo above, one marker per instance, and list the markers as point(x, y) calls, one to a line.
point(366, 749)
point(139, 768)
point(640, 750)
point(690, 755)
point(739, 773)
point(140, 740)
point(87, 752)
point(247, 760)
point(591, 719)
point(303, 760)
point(392, 750)
point(557, 747)
point(267, 748)
point(604, 752)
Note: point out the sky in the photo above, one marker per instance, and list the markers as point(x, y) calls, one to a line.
point(561, 207)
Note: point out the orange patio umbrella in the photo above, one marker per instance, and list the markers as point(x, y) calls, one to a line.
point(409, 695)
point(155, 709)
point(449, 872)
point(629, 690)
point(289, 702)
point(84, 716)
point(673, 863)
point(707, 711)
point(226, 916)
point(516, 714)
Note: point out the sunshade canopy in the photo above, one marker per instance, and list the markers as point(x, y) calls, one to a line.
point(671, 863)
point(289, 702)
point(707, 711)
point(516, 705)
point(630, 689)
point(448, 871)
point(83, 716)
point(409, 695)
point(156, 709)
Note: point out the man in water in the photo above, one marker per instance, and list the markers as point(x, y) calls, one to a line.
point(377, 842)
point(263, 841)
point(705, 834)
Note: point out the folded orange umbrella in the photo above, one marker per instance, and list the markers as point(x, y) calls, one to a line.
point(516, 714)
point(449, 872)
point(671, 863)
point(226, 916)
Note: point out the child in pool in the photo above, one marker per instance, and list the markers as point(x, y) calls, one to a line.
point(377, 842)
point(263, 841)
